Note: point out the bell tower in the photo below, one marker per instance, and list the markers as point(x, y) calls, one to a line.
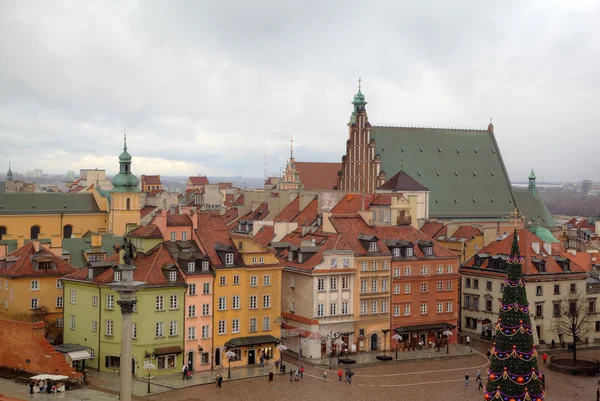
point(125, 196)
point(361, 167)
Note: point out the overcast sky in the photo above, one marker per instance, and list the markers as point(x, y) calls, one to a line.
point(210, 87)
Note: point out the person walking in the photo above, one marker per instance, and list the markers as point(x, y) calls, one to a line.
point(480, 387)
point(468, 341)
point(219, 381)
point(297, 376)
point(271, 376)
point(301, 371)
point(544, 357)
point(276, 364)
point(466, 380)
point(291, 374)
point(553, 343)
point(340, 374)
point(325, 375)
point(31, 385)
point(350, 374)
point(262, 360)
point(184, 371)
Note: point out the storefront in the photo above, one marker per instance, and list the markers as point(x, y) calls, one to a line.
point(249, 350)
point(75, 354)
point(423, 335)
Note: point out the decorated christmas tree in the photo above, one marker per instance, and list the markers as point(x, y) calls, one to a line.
point(513, 374)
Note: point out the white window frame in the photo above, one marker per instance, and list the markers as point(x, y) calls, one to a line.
point(173, 328)
point(423, 309)
point(73, 296)
point(159, 328)
point(109, 327)
point(60, 302)
point(222, 303)
point(407, 288)
point(253, 302)
point(253, 281)
point(423, 270)
point(407, 271)
point(235, 302)
point(320, 310)
point(34, 303)
point(174, 302)
point(35, 285)
point(266, 301)
point(191, 333)
point(59, 283)
point(406, 310)
point(266, 280)
point(266, 321)
point(373, 246)
point(192, 289)
point(396, 309)
point(191, 311)
point(173, 276)
point(235, 326)
point(110, 301)
point(222, 327)
point(191, 266)
point(229, 258)
point(396, 289)
point(159, 303)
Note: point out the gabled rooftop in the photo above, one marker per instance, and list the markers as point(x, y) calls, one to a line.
point(33, 260)
point(401, 181)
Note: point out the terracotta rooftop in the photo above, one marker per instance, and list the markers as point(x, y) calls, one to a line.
point(149, 231)
point(199, 180)
point(146, 210)
point(402, 182)
point(151, 179)
point(178, 220)
point(225, 185)
point(239, 201)
point(351, 204)
point(228, 200)
point(27, 263)
point(467, 232)
point(526, 241)
point(409, 233)
point(258, 214)
point(212, 231)
point(289, 212)
point(383, 200)
point(317, 175)
point(230, 215)
point(155, 192)
point(265, 235)
point(432, 228)
point(148, 268)
point(309, 214)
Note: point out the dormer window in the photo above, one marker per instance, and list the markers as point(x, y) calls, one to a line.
point(205, 266)
point(396, 251)
point(191, 266)
point(290, 256)
point(409, 251)
point(172, 276)
point(49, 265)
point(229, 258)
point(373, 246)
point(117, 276)
point(90, 273)
point(428, 251)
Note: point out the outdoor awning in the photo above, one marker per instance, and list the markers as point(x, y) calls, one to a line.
point(49, 377)
point(249, 341)
point(168, 350)
point(79, 355)
point(425, 327)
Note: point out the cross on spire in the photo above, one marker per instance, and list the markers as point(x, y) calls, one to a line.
point(125, 138)
point(359, 81)
point(291, 147)
point(515, 216)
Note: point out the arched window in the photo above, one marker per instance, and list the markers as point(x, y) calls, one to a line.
point(67, 231)
point(128, 204)
point(2, 231)
point(34, 232)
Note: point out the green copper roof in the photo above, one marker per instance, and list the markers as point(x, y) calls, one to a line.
point(76, 246)
point(544, 234)
point(533, 208)
point(125, 181)
point(532, 175)
point(462, 168)
point(359, 99)
point(47, 203)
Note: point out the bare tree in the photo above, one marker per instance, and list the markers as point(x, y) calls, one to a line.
point(42, 314)
point(574, 319)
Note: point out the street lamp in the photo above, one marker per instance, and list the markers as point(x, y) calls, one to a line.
point(398, 338)
point(229, 355)
point(339, 343)
point(447, 333)
point(148, 366)
point(385, 331)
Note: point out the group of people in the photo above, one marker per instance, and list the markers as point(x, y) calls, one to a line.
point(348, 374)
point(297, 374)
point(46, 386)
point(186, 373)
point(478, 380)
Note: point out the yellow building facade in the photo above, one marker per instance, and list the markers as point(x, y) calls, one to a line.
point(247, 304)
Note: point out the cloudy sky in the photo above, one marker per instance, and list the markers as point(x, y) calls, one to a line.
point(210, 87)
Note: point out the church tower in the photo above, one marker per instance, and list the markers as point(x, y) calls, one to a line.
point(9, 174)
point(361, 167)
point(532, 187)
point(124, 197)
point(291, 178)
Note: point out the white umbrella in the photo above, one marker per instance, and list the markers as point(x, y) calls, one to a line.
point(149, 366)
point(397, 337)
point(447, 333)
point(281, 347)
point(339, 342)
point(230, 354)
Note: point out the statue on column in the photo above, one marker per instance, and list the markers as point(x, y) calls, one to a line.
point(128, 251)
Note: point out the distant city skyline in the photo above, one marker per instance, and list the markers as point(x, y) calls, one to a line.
point(204, 89)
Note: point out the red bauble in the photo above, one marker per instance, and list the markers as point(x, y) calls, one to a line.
point(487, 396)
point(492, 376)
point(514, 346)
point(512, 399)
point(520, 380)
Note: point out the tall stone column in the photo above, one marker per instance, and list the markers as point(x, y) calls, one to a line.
point(126, 303)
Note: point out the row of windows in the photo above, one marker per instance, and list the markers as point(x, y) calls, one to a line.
point(333, 309)
point(474, 283)
point(184, 236)
point(374, 286)
point(424, 270)
point(423, 309)
point(252, 326)
point(205, 332)
point(333, 284)
point(374, 307)
point(205, 289)
point(253, 280)
point(191, 266)
point(253, 302)
point(385, 265)
point(34, 285)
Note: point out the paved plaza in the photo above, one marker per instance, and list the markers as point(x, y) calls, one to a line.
point(420, 380)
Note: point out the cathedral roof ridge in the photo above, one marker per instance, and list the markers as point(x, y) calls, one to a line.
point(430, 127)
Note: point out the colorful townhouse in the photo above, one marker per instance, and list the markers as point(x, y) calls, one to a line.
point(464, 241)
point(200, 276)
point(175, 227)
point(93, 317)
point(551, 274)
point(246, 295)
point(30, 278)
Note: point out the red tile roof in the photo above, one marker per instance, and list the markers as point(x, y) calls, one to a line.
point(155, 192)
point(351, 204)
point(258, 214)
point(309, 214)
point(468, 232)
point(349, 229)
point(25, 266)
point(228, 200)
point(324, 241)
point(432, 228)
point(317, 175)
point(239, 201)
point(526, 240)
point(225, 185)
point(151, 179)
point(78, 188)
point(265, 235)
point(583, 259)
point(199, 180)
point(230, 215)
point(211, 231)
point(178, 220)
point(382, 200)
point(289, 212)
point(149, 231)
point(148, 268)
point(409, 233)
point(146, 210)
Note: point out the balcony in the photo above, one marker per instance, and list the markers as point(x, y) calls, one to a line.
point(403, 220)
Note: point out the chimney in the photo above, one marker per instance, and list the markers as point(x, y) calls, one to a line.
point(3, 250)
point(451, 229)
point(96, 240)
point(548, 248)
point(536, 247)
point(194, 220)
point(36, 245)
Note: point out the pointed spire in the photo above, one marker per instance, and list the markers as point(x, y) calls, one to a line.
point(9, 174)
point(532, 187)
point(125, 139)
point(291, 147)
point(491, 126)
point(532, 175)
